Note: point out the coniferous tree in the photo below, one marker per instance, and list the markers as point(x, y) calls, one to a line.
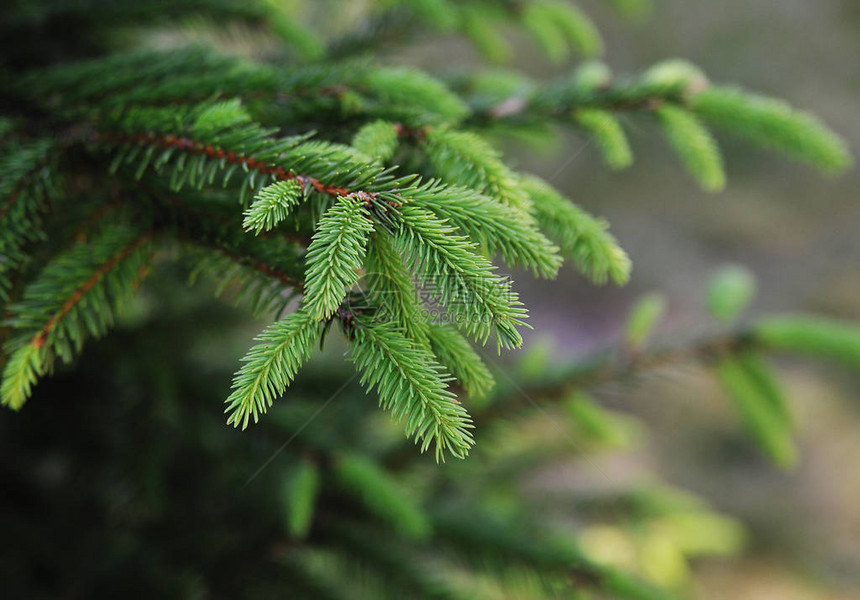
point(331, 192)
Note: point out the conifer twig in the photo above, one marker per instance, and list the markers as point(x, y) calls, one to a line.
point(87, 285)
point(192, 146)
point(620, 363)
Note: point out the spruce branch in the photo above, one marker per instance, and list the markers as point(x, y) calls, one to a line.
point(377, 139)
point(512, 233)
point(828, 339)
point(76, 296)
point(760, 404)
point(262, 286)
point(529, 545)
point(458, 277)
point(670, 90)
point(250, 163)
point(814, 336)
point(412, 386)
point(608, 133)
point(582, 238)
point(773, 124)
point(390, 286)
point(271, 365)
point(27, 187)
point(267, 270)
point(555, 24)
point(465, 159)
point(694, 144)
point(457, 355)
point(272, 205)
point(619, 364)
point(336, 255)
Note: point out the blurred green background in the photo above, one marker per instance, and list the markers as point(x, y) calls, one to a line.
point(799, 233)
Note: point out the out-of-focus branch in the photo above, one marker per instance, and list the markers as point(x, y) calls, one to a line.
point(614, 365)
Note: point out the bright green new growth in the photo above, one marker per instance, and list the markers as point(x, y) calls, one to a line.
point(761, 406)
point(271, 365)
point(336, 255)
point(462, 280)
point(480, 23)
point(391, 288)
point(284, 24)
point(439, 13)
point(457, 355)
point(412, 386)
point(575, 25)
point(582, 238)
point(272, 205)
point(591, 75)
point(495, 226)
point(399, 303)
point(23, 369)
point(758, 370)
point(695, 146)
point(774, 124)
point(464, 158)
point(677, 74)
point(378, 140)
point(817, 336)
point(419, 97)
point(556, 25)
point(210, 121)
point(539, 19)
point(608, 134)
point(210, 157)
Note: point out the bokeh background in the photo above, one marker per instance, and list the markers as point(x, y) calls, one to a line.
point(798, 232)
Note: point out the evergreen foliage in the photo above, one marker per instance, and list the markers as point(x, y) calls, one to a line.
point(378, 140)
point(271, 365)
point(76, 296)
point(481, 302)
point(609, 134)
point(760, 405)
point(582, 237)
point(412, 386)
point(772, 123)
point(817, 336)
point(465, 159)
point(335, 256)
point(556, 24)
point(456, 355)
point(272, 205)
point(695, 145)
point(321, 188)
point(596, 422)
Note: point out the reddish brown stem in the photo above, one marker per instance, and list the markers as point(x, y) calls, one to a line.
point(39, 339)
point(192, 146)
